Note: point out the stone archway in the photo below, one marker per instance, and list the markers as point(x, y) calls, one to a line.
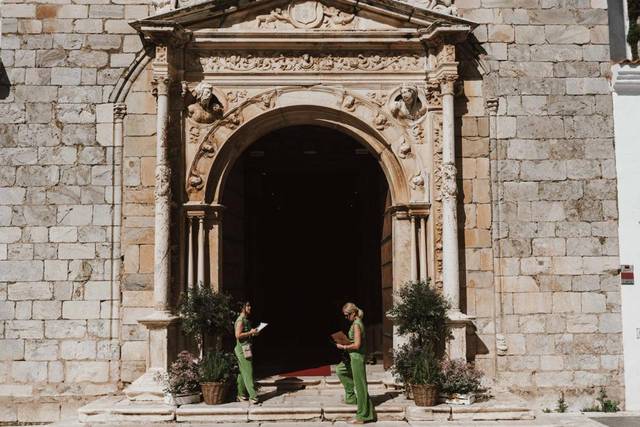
point(389, 85)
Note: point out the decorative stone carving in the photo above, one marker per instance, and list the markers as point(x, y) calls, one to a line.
point(492, 105)
point(404, 149)
point(407, 105)
point(380, 99)
point(380, 122)
point(276, 61)
point(163, 181)
point(501, 345)
point(119, 111)
point(449, 189)
point(163, 5)
point(193, 134)
point(417, 132)
point(443, 6)
point(196, 182)
point(203, 106)
point(267, 100)
point(235, 98)
point(348, 102)
point(161, 54)
point(306, 14)
point(208, 148)
point(232, 120)
point(433, 95)
point(417, 180)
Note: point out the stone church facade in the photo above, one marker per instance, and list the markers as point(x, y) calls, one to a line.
point(123, 125)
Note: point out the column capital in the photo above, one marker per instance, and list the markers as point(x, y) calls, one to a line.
point(205, 212)
point(160, 85)
point(492, 105)
point(119, 110)
point(447, 83)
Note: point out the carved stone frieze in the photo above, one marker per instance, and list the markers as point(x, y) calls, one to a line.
point(443, 6)
point(380, 99)
point(277, 61)
point(380, 122)
point(349, 102)
point(265, 101)
point(235, 98)
point(306, 14)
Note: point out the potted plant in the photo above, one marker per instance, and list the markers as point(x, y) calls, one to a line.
point(205, 314)
point(424, 377)
point(182, 380)
point(459, 383)
point(216, 370)
point(420, 313)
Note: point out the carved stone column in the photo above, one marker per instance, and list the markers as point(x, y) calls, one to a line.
point(450, 262)
point(442, 52)
point(161, 319)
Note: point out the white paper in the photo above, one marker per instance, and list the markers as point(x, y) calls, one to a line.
point(261, 326)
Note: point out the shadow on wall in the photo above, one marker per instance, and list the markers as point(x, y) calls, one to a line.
point(5, 84)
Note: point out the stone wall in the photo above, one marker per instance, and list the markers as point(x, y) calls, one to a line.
point(59, 184)
point(553, 187)
point(537, 203)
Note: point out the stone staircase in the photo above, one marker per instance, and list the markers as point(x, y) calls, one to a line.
point(303, 399)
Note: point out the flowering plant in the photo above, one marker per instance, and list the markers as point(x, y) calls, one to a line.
point(183, 375)
point(458, 376)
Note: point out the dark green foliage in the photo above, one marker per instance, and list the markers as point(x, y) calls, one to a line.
point(633, 36)
point(218, 367)
point(561, 404)
point(422, 313)
point(205, 313)
point(458, 376)
point(607, 405)
point(426, 368)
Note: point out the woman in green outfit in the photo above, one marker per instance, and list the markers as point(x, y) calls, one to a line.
point(353, 374)
point(244, 333)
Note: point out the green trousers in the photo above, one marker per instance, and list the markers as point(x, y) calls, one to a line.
point(245, 376)
point(353, 377)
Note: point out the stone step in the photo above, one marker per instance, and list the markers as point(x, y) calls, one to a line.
point(298, 383)
point(301, 409)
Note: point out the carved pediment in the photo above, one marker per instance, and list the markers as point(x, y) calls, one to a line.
point(306, 15)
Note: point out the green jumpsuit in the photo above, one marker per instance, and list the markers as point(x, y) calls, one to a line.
point(245, 376)
point(353, 375)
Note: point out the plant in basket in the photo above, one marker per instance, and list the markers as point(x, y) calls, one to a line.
point(460, 382)
point(216, 370)
point(181, 381)
point(420, 313)
point(424, 377)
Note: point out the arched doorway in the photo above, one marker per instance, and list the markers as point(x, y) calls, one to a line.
point(303, 232)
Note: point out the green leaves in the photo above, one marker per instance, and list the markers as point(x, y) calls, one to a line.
point(422, 313)
point(205, 312)
point(217, 367)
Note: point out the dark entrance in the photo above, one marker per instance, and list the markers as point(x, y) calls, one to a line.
point(302, 235)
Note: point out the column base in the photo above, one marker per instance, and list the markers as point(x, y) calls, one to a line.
point(150, 385)
point(460, 325)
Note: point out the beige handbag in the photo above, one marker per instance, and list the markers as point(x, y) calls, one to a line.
point(246, 351)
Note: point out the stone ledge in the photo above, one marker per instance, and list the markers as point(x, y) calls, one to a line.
point(285, 413)
point(219, 413)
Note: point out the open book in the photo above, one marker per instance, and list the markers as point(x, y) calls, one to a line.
point(340, 338)
point(261, 326)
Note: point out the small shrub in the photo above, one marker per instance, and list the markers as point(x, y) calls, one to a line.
point(422, 313)
point(183, 375)
point(458, 376)
point(607, 405)
point(561, 406)
point(203, 311)
point(546, 410)
point(217, 367)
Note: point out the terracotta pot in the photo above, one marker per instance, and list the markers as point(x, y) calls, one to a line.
point(424, 394)
point(213, 393)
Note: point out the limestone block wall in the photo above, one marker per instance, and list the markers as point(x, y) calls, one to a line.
point(59, 203)
point(553, 188)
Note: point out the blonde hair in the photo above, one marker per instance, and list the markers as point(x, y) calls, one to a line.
point(352, 308)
